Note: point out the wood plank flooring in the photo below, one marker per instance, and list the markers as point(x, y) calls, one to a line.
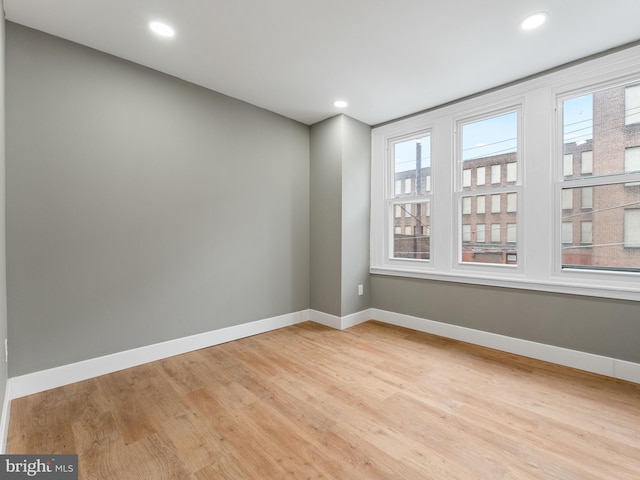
point(309, 402)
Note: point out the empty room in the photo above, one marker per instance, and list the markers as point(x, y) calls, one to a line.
point(320, 240)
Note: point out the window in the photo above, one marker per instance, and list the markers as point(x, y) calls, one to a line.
point(512, 172)
point(480, 204)
point(632, 104)
point(495, 174)
point(604, 223)
point(495, 233)
point(586, 165)
point(587, 197)
point(586, 232)
point(480, 235)
point(412, 213)
point(567, 199)
point(466, 177)
point(495, 203)
point(555, 211)
point(632, 228)
point(481, 173)
point(466, 233)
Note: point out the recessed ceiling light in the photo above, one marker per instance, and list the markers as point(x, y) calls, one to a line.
point(161, 29)
point(340, 104)
point(534, 21)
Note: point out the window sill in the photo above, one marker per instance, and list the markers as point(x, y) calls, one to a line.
point(520, 283)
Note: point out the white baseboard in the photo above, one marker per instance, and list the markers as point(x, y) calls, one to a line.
point(589, 362)
point(4, 420)
point(66, 374)
point(339, 323)
point(75, 372)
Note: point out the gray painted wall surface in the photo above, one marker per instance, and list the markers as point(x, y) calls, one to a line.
point(356, 202)
point(600, 326)
point(326, 216)
point(3, 265)
point(141, 208)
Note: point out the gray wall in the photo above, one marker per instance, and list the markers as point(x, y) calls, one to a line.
point(340, 199)
point(141, 208)
point(3, 267)
point(600, 326)
point(356, 205)
point(326, 216)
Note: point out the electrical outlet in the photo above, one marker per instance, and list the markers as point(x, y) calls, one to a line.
point(360, 289)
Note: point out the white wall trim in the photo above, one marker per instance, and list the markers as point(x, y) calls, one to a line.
point(4, 420)
point(589, 362)
point(339, 323)
point(75, 372)
point(56, 377)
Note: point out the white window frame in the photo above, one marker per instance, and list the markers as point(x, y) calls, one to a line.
point(539, 199)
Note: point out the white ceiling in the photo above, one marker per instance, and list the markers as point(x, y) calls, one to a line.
point(295, 57)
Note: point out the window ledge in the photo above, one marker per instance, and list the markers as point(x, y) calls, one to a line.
point(519, 282)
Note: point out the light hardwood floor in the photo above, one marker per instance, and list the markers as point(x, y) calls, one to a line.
point(371, 402)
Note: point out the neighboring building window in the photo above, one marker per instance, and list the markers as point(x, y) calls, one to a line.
point(632, 228)
point(586, 165)
point(495, 203)
point(480, 204)
point(567, 165)
point(466, 233)
point(481, 173)
point(480, 233)
point(587, 197)
point(586, 232)
point(512, 202)
point(632, 104)
point(567, 199)
point(511, 233)
point(512, 172)
point(466, 177)
point(398, 187)
point(407, 186)
point(495, 233)
point(495, 174)
point(466, 205)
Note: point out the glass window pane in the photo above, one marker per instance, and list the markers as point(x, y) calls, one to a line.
point(466, 205)
point(609, 230)
point(495, 203)
point(487, 145)
point(481, 173)
point(632, 159)
point(567, 165)
point(495, 174)
point(586, 232)
point(586, 166)
point(466, 177)
point(587, 197)
point(511, 233)
point(412, 235)
point(567, 198)
point(632, 104)
point(594, 131)
point(512, 172)
point(480, 204)
point(480, 235)
point(412, 156)
point(466, 233)
point(495, 233)
point(512, 202)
